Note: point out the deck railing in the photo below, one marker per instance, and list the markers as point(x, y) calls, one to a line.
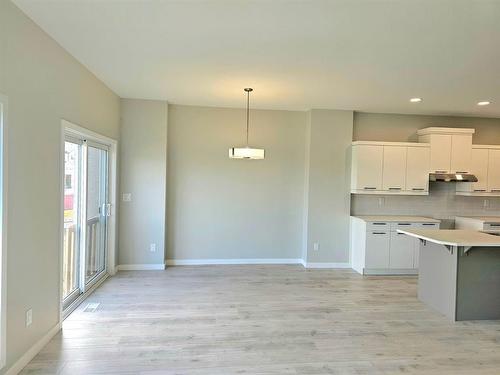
point(94, 259)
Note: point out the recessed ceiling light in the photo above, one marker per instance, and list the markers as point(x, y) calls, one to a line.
point(415, 100)
point(484, 103)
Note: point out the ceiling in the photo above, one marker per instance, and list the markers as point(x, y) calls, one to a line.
point(364, 55)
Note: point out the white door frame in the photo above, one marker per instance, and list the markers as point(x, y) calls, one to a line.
point(69, 128)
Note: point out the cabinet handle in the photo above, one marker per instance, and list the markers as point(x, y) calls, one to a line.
point(369, 188)
point(404, 224)
point(479, 189)
point(400, 233)
point(379, 223)
point(379, 233)
point(441, 171)
point(495, 190)
point(394, 188)
point(429, 224)
point(463, 172)
point(417, 189)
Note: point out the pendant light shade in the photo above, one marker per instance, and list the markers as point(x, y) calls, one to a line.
point(247, 152)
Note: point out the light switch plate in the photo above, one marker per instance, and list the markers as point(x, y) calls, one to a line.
point(29, 317)
point(127, 197)
point(316, 246)
point(152, 247)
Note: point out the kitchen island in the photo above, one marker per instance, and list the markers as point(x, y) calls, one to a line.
point(459, 272)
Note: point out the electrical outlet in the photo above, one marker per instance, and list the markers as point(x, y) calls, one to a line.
point(29, 317)
point(127, 197)
point(316, 246)
point(152, 247)
point(486, 203)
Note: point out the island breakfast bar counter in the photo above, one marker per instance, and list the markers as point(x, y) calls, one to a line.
point(459, 273)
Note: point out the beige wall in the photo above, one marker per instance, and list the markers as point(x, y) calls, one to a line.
point(327, 198)
point(44, 84)
point(143, 170)
point(220, 208)
point(402, 128)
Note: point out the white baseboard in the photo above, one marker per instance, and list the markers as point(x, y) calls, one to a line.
point(326, 265)
point(140, 267)
point(199, 262)
point(33, 351)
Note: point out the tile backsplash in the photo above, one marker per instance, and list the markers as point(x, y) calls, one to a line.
point(442, 203)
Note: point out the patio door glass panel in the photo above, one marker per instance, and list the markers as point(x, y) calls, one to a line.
point(72, 216)
point(97, 211)
point(86, 213)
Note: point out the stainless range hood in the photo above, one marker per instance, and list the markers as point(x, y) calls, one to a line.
point(452, 177)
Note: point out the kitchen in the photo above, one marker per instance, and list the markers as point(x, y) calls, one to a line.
point(392, 241)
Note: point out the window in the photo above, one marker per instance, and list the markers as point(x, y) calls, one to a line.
point(3, 240)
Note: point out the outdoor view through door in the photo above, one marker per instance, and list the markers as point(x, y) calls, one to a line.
point(86, 210)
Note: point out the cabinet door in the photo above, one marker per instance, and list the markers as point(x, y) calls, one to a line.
point(394, 170)
point(494, 171)
point(367, 167)
point(479, 167)
point(377, 250)
point(417, 168)
point(402, 250)
point(440, 152)
point(461, 148)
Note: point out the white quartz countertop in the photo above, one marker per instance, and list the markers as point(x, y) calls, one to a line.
point(483, 219)
point(454, 237)
point(399, 219)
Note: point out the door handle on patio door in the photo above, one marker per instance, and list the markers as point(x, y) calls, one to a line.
point(108, 209)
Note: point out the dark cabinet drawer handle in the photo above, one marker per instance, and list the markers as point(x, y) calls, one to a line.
point(379, 233)
point(369, 188)
point(417, 189)
point(379, 223)
point(479, 189)
point(394, 188)
point(429, 224)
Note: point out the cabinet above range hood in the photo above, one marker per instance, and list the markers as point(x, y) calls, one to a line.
point(451, 153)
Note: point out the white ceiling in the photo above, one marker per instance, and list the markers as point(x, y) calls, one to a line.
point(365, 55)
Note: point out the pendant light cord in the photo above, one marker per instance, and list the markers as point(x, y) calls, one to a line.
point(248, 112)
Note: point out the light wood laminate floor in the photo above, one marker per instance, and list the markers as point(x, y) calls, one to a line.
point(265, 320)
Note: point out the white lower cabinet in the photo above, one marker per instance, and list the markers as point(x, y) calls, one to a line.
point(378, 243)
point(402, 251)
point(378, 249)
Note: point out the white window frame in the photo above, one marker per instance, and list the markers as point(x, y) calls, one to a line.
point(3, 229)
point(70, 129)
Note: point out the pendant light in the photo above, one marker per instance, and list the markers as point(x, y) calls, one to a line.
point(246, 152)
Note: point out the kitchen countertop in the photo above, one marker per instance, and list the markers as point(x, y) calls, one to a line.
point(398, 219)
point(454, 237)
point(484, 219)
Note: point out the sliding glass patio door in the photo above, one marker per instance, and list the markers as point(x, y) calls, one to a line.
point(86, 212)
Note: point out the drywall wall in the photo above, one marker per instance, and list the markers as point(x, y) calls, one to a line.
point(143, 156)
point(403, 128)
point(442, 203)
point(327, 198)
point(221, 208)
point(43, 84)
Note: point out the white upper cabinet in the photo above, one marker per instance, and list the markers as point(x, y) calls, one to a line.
point(451, 149)
point(479, 167)
point(417, 169)
point(494, 171)
point(461, 153)
point(394, 170)
point(367, 166)
point(390, 168)
point(485, 165)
